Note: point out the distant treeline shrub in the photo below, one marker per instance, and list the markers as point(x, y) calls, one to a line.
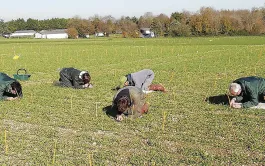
point(207, 21)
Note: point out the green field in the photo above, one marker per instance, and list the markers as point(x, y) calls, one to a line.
point(59, 126)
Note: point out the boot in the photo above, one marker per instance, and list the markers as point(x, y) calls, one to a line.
point(144, 109)
point(157, 87)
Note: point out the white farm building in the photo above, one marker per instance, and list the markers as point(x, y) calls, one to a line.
point(146, 33)
point(52, 34)
point(23, 33)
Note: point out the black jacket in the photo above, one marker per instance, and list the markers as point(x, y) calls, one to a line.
point(71, 77)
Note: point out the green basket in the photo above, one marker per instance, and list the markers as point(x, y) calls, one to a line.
point(22, 77)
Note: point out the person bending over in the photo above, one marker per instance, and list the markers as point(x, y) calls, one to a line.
point(247, 92)
point(129, 101)
point(74, 78)
point(141, 79)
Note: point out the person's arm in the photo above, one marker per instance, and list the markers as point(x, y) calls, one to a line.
point(77, 85)
point(236, 105)
point(238, 98)
point(6, 98)
point(119, 116)
point(115, 108)
point(90, 85)
point(253, 98)
point(137, 98)
point(11, 98)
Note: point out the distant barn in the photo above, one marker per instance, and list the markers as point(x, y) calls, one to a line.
point(23, 34)
point(52, 34)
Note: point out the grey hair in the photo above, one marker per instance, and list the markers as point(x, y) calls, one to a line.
point(235, 87)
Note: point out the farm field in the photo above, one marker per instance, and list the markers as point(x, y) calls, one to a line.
point(59, 126)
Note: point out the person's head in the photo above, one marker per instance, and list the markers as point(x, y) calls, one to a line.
point(234, 89)
point(16, 89)
point(123, 104)
point(86, 78)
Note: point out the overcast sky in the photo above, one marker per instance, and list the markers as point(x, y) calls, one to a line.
point(86, 8)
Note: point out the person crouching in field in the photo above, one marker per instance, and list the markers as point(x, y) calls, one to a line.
point(10, 89)
point(129, 101)
point(247, 92)
point(141, 79)
point(74, 78)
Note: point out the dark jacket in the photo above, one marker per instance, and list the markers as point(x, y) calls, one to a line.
point(137, 100)
point(5, 86)
point(71, 77)
point(253, 89)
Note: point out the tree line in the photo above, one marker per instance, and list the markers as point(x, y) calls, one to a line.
point(207, 21)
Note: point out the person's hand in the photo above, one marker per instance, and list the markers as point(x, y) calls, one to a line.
point(11, 98)
point(233, 101)
point(90, 86)
point(86, 85)
point(119, 118)
point(237, 105)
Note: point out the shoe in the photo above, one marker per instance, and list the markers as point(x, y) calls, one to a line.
point(157, 87)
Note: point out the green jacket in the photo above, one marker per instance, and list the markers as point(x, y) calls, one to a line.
point(253, 89)
point(137, 100)
point(5, 86)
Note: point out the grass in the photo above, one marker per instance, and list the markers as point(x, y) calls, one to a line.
point(58, 126)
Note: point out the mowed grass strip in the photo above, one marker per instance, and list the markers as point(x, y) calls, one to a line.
point(60, 126)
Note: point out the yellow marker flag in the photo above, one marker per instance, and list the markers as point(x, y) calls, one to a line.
point(16, 57)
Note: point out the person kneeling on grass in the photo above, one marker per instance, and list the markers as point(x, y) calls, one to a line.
point(74, 78)
point(10, 89)
point(141, 79)
point(248, 91)
point(130, 101)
